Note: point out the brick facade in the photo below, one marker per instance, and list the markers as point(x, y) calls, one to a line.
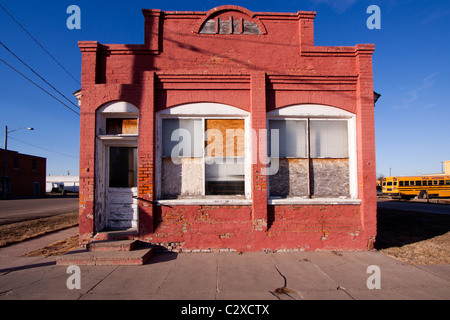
point(259, 63)
point(26, 174)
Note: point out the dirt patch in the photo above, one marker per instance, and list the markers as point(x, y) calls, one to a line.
point(55, 249)
point(427, 252)
point(25, 230)
point(414, 237)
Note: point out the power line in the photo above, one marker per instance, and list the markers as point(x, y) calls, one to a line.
point(40, 45)
point(63, 154)
point(37, 74)
point(39, 86)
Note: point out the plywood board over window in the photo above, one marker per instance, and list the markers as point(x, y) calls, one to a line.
point(121, 126)
point(225, 137)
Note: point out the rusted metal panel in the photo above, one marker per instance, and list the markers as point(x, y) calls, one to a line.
point(291, 180)
point(330, 178)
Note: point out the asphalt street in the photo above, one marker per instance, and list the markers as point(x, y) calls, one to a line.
point(23, 209)
point(415, 206)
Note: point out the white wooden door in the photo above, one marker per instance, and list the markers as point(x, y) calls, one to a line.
point(121, 188)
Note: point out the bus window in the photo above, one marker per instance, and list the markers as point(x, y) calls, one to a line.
point(389, 183)
point(430, 182)
point(411, 183)
point(401, 183)
point(441, 182)
point(384, 183)
point(406, 183)
point(435, 182)
point(418, 183)
point(447, 182)
point(395, 183)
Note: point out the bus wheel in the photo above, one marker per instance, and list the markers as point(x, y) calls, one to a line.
point(423, 194)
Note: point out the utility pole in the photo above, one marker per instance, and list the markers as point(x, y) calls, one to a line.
point(5, 158)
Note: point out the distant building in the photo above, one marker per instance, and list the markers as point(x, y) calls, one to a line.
point(25, 174)
point(70, 183)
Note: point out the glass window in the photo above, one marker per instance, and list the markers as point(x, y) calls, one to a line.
point(441, 182)
point(292, 138)
point(328, 139)
point(447, 182)
point(182, 138)
point(418, 183)
point(226, 177)
point(122, 167)
point(401, 183)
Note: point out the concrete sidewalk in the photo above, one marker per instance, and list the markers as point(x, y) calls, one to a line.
point(227, 276)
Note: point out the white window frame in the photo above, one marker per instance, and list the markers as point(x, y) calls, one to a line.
point(321, 112)
point(204, 111)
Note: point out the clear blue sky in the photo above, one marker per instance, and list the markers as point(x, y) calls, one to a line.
point(411, 70)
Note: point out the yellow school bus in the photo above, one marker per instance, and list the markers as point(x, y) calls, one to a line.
point(423, 187)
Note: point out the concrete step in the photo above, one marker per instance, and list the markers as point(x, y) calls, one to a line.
point(83, 257)
point(116, 245)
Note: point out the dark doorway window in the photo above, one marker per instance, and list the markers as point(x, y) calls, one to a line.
point(122, 167)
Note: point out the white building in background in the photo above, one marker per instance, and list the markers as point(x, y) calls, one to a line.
point(69, 183)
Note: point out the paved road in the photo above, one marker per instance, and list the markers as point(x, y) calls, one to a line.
point(415, 206)
point(22, 209)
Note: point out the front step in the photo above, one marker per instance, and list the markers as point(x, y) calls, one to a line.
point(120, 245)
point(107, 253)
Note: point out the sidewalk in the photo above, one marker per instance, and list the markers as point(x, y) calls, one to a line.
point(222, 276)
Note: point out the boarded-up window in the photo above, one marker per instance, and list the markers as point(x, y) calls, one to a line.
point(313, 158)
point(121, 126)
point(202, 157)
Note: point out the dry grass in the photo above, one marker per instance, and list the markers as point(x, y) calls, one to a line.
point(414, 237)
point(427, 252)
point(21, 231)
point(55, 249)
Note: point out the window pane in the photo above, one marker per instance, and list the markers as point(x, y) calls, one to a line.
point(182, 137)
point(224, 176)
point(122, 167)
point(328, 139)
point(292, 138)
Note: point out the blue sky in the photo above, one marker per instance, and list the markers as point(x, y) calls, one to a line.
point(411, 70)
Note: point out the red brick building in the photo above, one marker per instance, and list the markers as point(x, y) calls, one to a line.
point(228, 130)
point(25, 174)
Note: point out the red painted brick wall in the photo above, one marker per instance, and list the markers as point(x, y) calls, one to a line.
point(23, 177)
point(256, 73)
